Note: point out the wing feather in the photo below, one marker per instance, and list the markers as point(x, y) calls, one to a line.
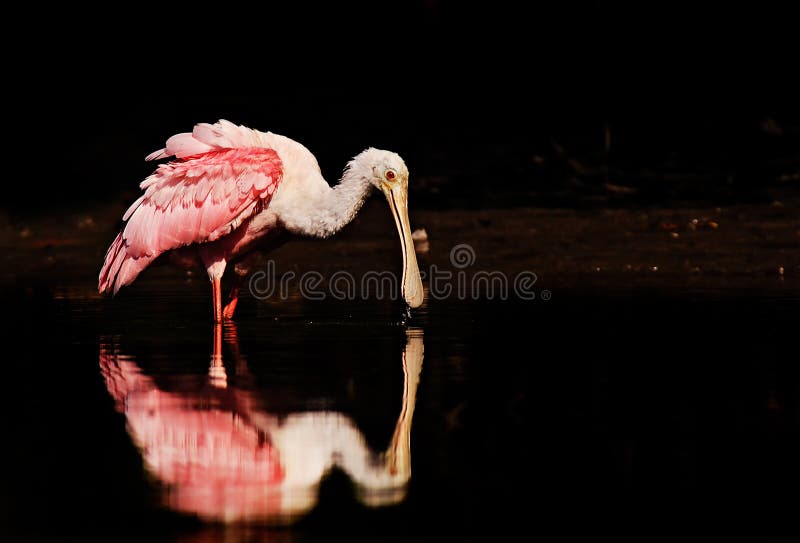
point(222, 176)
point(176, 209)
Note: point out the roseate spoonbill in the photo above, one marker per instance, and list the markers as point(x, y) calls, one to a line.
point(231, 189)
point(223, 456)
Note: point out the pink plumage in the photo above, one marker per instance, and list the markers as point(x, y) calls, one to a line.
point(221, 177)
point(215, 462)
point(231, 192)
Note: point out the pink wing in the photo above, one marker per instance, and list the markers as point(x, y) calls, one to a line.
point(224, 175)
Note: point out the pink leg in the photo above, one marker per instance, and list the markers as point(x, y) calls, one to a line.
point(240, 270)
point(231, 338)
point(233, 299)
point(216, 372)
point(215, 267)
point(216, 294)
point(216, 353)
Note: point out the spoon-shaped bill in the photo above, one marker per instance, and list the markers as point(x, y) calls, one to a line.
point(411, 286)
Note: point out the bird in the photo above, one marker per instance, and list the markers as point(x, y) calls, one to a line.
point(229, 191)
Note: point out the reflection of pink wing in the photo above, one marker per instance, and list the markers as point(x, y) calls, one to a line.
point(191, 446)
point(214, 462)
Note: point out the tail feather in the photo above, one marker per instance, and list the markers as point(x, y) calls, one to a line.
point(120, 268)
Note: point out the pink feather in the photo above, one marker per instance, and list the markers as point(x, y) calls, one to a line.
point(223, 175)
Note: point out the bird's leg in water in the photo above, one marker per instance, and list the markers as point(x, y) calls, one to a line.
point(230, 338)
point(233, 299)
point(215, 267)
point(240, 271)
point(216, 371)
point(216, 295)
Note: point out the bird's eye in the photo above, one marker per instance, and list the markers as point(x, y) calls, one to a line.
point(390, 175)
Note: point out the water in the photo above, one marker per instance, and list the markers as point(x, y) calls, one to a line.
point(540, 415)
point(648, 406)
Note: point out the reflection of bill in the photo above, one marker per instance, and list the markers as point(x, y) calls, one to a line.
point(220, 456)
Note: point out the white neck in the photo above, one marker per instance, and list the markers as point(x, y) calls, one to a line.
point(326, 210)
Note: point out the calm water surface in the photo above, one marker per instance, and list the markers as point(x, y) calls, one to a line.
point(626, 413)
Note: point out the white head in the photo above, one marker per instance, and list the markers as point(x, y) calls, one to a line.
point(386, 171)
point(379, 166)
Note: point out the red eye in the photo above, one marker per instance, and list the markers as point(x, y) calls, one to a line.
point(390, 175)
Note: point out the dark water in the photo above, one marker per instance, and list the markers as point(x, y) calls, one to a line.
point(627, 414)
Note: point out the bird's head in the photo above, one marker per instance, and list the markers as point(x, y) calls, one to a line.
point(387, 172)
point(381, 168)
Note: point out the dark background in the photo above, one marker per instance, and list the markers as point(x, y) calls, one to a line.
point(667, 406)
point(495, 104)
point(471, 150)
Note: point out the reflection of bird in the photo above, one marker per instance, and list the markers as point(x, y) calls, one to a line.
point(231, 190)
point(220, 455)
